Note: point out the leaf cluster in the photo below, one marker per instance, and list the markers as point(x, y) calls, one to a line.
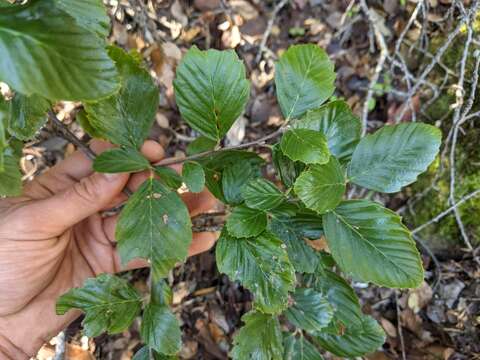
point(300, 300)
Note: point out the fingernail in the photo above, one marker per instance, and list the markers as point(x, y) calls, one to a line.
point(112, 177)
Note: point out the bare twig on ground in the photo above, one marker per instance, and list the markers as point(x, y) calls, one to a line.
point(268, 30)
point(379, 67)
point(434, 61)
point(438, 272)
point(446, 212)
point(399, 327)
point(404, 32)
point(460, 113)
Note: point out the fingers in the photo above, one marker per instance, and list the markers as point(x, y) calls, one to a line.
point(77, 166)
point(86, 197)
point(199, 203)
point(153, 151)
point(201, 242)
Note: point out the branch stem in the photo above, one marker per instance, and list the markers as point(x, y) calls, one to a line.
point(68, 135)
point(259, 142)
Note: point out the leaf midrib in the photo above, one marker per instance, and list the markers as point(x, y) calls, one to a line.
point(305, 75)
point(114, 303)
point(368, 242)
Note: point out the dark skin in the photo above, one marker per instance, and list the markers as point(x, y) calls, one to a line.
point(53, 237)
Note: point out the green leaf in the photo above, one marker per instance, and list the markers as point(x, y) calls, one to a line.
point(321, 187)
point(246, 222)
point(82, 119)
point(262, 194)
point(310, 311)
point(287, 169)
point(15, 147)
point(154, 225)
point(211, 90)
point(161, 294)
point(126, 118)
point(371, 243)
point(307, 146)
point(305, 222)
point(11, 177)
point(215, 163)
point(341, 127)
point(201, 144)
point(5, 3)
point(301, 255)
point(299, 349)
point(160, 329)
point(169, 177)
point(259, 339)
point(394, 156)
point(3, 122)
point(235, 177)
point(120, 160)
point(27, 114)
point(261, 265)
point(144, 354)
point(45, 52)
point(304, 79)
point(109, 303)
point(194, 176)
point(89, 14)
point(308, 224)
point(355, 341)
point(341, 296)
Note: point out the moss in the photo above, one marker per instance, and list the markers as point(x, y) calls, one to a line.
point(446, 231)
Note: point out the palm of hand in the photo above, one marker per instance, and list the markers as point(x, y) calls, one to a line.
point(50, 243)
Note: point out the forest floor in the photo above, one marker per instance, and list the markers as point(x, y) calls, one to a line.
point(387, 64)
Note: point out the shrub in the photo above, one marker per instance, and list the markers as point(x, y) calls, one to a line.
point(300, 300)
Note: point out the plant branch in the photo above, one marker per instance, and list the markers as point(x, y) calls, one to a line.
point(268, 30)
point(68, 135)
point(258, 142)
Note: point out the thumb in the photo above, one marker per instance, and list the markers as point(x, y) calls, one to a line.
point(85, 198)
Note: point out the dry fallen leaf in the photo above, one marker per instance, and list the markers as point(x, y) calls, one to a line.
point(389, 328)
point(319, 244)
point(75, 352)
point(205, 5)
point(189, 349)
point(177, 12)
point(420, 297)
point(232, 37)
point(236, 134)
point(180, 291)
point(244, 9)
point(162, 120)
point(411, 321)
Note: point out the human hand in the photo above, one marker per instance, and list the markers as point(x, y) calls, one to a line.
point(53, 237)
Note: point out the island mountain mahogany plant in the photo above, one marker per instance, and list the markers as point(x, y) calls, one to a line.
point(56, 50)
